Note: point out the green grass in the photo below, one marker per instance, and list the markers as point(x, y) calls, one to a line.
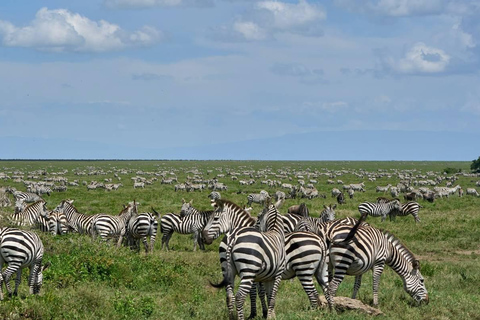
point(90, 279)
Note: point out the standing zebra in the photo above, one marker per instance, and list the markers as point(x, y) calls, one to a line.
point(77, 221)
point(214, 195)
point(259, 198)
point(411, 207)
point(34, 215)
point(57, 223)
point(23, 196)
point(144, 225)
point(192, 221)
point(381, 209)
point(256, 256)
point(108, 226)
point(20, 249)
point(370, 248)
point(291, 222)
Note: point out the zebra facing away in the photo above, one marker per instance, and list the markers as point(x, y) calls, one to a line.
point(356, 250)
point(109, 226)
point(256, 256)
point(20, 249)
point(381, 209)
point(144, 225)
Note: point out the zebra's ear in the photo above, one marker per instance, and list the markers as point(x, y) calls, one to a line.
point(191, 201)
point(183, 200)
point(46, 265)
point(416, 266)
point(334, 206)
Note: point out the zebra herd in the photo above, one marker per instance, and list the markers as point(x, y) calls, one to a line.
point(263, 251)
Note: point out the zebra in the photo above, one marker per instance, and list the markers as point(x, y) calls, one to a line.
point(20, 249)
point(214, 195)
point(77, 221)
point(365, 247)
point(300, 209)
point(290, 221)
point(410, 207)
point(259, 198)
point(108, 226)
point(351, 193)
point(341, 198)
point(23, 196)
point(57, 223)
point(472, 192)
point(189, 221)
point(256, 256)
point(144, 225)
point(379, 209)
point(35, 214)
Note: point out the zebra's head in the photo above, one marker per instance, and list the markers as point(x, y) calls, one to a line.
point(328, 214)
point(414, 284)
point(216, 224)
point(186, 208)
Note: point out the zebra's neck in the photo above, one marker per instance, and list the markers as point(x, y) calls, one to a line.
point(400, 258)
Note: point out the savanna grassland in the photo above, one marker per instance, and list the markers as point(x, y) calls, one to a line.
point(94, 280)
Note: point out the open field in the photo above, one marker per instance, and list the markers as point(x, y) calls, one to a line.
point(93, 280)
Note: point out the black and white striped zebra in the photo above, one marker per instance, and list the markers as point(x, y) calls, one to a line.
point(57, 223)
point(34, 215)
point(109, 226)
point(20, 249)
point(256, 256)
point(77, 221)
point(190, 221)
point(23, 196)
point(370, 249)
point(259, 198)
point(381, 209)
point(410, 207)
point(144, 225)
point(214, 195)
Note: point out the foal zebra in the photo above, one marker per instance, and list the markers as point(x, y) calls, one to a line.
point(20, 249)
point(381, 209)
point(77, 221)
point(371, 248)
point(256, 256)
point(108, 226)
point(192, 221)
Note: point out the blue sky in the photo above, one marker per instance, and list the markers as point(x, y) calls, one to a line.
point(166, 78)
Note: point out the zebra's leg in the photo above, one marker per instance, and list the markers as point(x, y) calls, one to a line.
point(333, 287)
point(195, 241)
point(230, 301)
point(272, 288)
point(1, 285)
point(11, 269)
point(244, 288)
point(253, 300)
point(145, 244)
point(165, 239)
point(261, 294)
point(309, 288)
point(356, 286)
point(18, 280)
point(377, 272)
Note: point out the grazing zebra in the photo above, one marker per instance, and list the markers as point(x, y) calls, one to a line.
point(20, 249)
point(256, 256)
point(351, 193)
point(23, 196)
point(190, 221)
point(259, 198)
point(341, 198)
point(379, 209)
point(371, 248)
point(108, 226)
point(35, 214)
point(144, 225)
point(77, 221)
point(410, 207)
point(335, 192)
point(472, 192)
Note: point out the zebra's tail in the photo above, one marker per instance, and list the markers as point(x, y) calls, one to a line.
point(228, 269)
point(353, 231)
point(157, 213)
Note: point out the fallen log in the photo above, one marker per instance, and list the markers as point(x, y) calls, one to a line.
point(344, 303)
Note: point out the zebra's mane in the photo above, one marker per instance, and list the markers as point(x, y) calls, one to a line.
point(234, 206)
point(71, 205)
point(35, 203)
point(405, 252)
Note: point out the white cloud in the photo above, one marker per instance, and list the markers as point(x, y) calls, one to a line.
point(395, 8)
point(249, 30)
point(287, 16)
point(420, 59)
point(61, 30)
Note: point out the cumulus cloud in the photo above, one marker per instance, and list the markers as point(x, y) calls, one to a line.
point(395, 8)
point(419, 59)
point(61, 30)
point(269, 17)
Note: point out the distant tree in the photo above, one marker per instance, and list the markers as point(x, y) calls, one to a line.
point(475, 166)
